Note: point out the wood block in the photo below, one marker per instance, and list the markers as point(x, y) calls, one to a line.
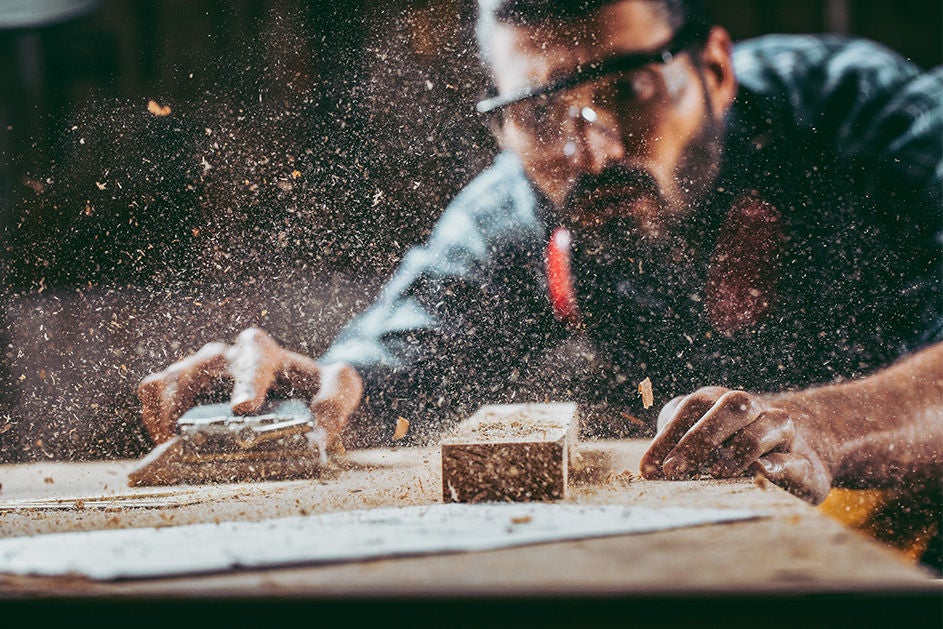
point(510, 453)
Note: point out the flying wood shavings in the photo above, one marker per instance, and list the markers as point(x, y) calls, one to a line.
point(402, 426)
point(645, 390)
point(156, 109)
point(632, 418)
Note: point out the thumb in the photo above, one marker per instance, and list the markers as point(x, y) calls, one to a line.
point(796, 474)
point(338, 396)
point(253, 362)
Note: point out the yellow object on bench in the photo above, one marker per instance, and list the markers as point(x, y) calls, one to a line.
point(905, 520)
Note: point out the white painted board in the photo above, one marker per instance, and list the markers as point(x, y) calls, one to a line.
point(334, 537)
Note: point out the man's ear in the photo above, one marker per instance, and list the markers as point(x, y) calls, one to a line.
point(717, 66)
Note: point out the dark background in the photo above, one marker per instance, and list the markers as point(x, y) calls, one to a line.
point(308, 144)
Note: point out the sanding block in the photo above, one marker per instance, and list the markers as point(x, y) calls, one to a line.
point(213, 445)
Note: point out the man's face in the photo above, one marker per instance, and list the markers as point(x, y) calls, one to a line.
point(638, 150)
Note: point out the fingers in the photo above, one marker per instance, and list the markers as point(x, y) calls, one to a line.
point(715, 431)
point(687, 412)
point(298, 376)
point(259, 365)
point(165, 395)
point(256, 363)
point(772, 430)
point(698, 448)
point(796, 474)
point(668, 411)
point(341, 388)
point(725, 433)
point(253, 361)
point(149, 392)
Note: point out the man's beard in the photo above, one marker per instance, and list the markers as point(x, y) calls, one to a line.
point(624, 268)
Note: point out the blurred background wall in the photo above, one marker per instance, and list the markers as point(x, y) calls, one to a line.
point(173, 171)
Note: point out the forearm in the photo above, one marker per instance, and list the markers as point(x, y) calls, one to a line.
point(883, 430)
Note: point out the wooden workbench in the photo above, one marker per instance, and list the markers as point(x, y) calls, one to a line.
point(795, 552)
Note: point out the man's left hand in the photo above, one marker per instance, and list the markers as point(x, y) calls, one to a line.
point(727, 433)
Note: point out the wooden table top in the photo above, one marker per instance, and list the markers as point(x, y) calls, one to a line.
point(795, 549)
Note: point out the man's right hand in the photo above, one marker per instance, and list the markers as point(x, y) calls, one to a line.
point(257, 365)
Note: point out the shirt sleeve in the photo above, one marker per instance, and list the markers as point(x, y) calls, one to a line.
point(881, 118)
point(460, 314)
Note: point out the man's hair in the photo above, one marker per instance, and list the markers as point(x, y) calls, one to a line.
point(691, 13)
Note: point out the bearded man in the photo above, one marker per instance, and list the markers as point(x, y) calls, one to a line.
point(754, 228)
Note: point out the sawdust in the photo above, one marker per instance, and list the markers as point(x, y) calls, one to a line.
point(620, 479)
point(512, 430)
point(155, 109)
point(645, 391)
point(402, 426)
point(316, 128)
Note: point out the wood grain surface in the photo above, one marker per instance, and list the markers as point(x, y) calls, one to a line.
point(796, 549)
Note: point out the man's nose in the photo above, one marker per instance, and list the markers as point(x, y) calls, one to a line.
point(597, 143)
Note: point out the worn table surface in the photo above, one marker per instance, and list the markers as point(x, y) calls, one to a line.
point(794, 550)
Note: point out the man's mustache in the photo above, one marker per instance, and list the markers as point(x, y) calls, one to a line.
point(598, 192)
